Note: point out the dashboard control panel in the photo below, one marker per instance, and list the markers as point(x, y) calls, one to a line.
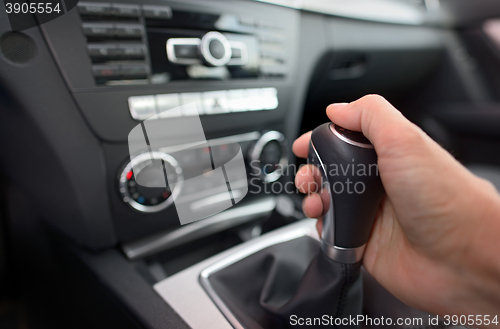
point(116, 41)
point(207, 103)
point(133, 44)
point(125, 62)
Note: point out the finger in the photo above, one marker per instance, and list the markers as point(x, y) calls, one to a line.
point(369, 115)
point(312, 206)
point(305, 179)
point(301, 145)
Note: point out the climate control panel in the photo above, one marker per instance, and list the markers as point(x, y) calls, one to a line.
point(145, 183)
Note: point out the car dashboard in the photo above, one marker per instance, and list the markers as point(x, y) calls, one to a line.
point(259, 73)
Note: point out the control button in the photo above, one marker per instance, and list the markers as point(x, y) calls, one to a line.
point(132, 51)
point(254, 100)
point(183, 50)
point(142, 107)
point(134, 71)
point(129, 30)
point(276, 38)
point(215, 49)
point(269, 98)
point(157, 12)
point(99, 51)
point(239, 53)
point(186, 51)
point(108, 72)
point(92, 8)
point(215, 102)
point(123, 10)
point(247, 21)
point(236, 53)
point(191, 104)
point(159, 78)
point(168, 106)
point(265, 24)
point(98, 30)
point(237, 100)
point(273, 70)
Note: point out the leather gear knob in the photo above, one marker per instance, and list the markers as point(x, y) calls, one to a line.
point(349, 184)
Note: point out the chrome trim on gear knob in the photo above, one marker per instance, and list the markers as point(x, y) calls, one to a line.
point(343, 255)
point(349, 141)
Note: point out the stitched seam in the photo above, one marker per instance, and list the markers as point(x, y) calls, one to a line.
point(340, 306)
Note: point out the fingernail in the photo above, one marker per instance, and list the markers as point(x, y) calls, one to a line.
point(337, 105)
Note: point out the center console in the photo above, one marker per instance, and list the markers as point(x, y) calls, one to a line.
point(126, 62)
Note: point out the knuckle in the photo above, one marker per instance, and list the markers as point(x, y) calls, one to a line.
point(375, 99)
point(398, 139)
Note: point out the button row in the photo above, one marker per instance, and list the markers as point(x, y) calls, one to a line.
point(117, 72)
point(114, 51)
point(210, 102)
point(259, 23)
point(113, 30)
point(277, 71)
point(124, 10)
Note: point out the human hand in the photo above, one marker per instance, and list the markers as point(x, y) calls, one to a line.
point(434, 242)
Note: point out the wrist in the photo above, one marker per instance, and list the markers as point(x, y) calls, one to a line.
point(480, 270)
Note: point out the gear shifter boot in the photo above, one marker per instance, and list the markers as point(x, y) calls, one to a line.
point(327, 288)
point(303, 279)
point(276, 286)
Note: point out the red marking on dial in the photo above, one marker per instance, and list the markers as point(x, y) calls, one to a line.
point(129, 174)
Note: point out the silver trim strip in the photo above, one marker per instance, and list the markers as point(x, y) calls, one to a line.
point(232, 217)
point(347, 140)
point(215, 198)
point(247, 137)
point(184, 292)
point(239, 255)
point(343, 255)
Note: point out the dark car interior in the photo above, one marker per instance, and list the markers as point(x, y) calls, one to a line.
point(82, 247)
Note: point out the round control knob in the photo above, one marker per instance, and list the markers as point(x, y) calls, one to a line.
point(269, 156)
point(215, 49)
point(149, 190)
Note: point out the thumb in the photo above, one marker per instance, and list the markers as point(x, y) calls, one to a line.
point(376, 118)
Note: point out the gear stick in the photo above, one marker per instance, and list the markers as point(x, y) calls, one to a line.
point(300, 278)
point(350, 188)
